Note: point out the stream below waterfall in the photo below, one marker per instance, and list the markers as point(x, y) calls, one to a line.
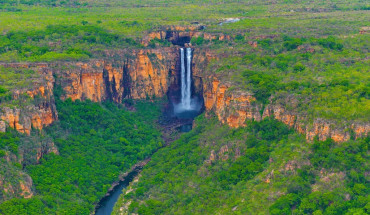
point(180, 119)
point(106, 204)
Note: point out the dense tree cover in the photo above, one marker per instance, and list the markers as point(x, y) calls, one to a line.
point(59, 42)
point(9, 142)
point(352, 197)
point(324, 77)
point(253, 175)
point(96, 142)
point(181, 178)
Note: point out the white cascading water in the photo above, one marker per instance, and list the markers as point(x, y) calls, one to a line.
point(183, 73)
point(188, 104)
point(186, 79)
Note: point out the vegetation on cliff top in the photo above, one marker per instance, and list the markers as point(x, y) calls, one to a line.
point(321, 77)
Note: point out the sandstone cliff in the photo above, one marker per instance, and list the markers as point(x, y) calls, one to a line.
point(33, 106)
point(234, 107)
point(150, 73)
point(125, 74)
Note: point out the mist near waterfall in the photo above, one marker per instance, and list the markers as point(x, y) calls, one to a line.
point(189, 105)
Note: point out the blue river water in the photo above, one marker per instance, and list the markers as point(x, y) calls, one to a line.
point(105, 206)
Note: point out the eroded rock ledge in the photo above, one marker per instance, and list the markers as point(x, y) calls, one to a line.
point(148, 74)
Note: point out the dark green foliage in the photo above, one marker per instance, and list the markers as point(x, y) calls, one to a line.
point(9, 141)
point(167, 177)
point(284, 204)
point(24, 206)
point(2, 90)
point(263, 84)
point(331, 42)
point(180, 178)
point(96, 143)
point(349, 158)
point(71, 42)
point(239, 37)
point(299, 67)
point(299, 186)
point(291, 43)
point(5, 95)
point(198, 41)
point(265, 43)
point(246, 167)
point(158, 42)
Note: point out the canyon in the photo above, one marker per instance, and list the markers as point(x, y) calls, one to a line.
point(151, 73)
point(148, 73)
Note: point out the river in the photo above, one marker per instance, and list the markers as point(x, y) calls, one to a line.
point(105, 206)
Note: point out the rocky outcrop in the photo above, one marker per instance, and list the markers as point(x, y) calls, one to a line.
point(44, 149)
point(321, 128)
point(13, 181)
point(2, 126)
point(26, 187)
point(179, 35)
point(233, 108)
point(32, 107)
point(81, 80)
point(126, 74)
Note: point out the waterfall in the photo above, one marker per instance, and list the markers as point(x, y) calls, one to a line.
point(183, 71)
point(186, 79)
point(189, 105)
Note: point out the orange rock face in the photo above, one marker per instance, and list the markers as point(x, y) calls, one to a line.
point(321, 128)
point(233, 108)
point(361, 130)
point(26, 190)
point(84, 81)
point(150, 75)
point(143, 75)
point(38, 118)
point(36, 114)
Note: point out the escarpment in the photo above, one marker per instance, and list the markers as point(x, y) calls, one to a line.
point(234, 107)
point(151, 73)
point(32, 106)
point(136, 74)
point(321, 128)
